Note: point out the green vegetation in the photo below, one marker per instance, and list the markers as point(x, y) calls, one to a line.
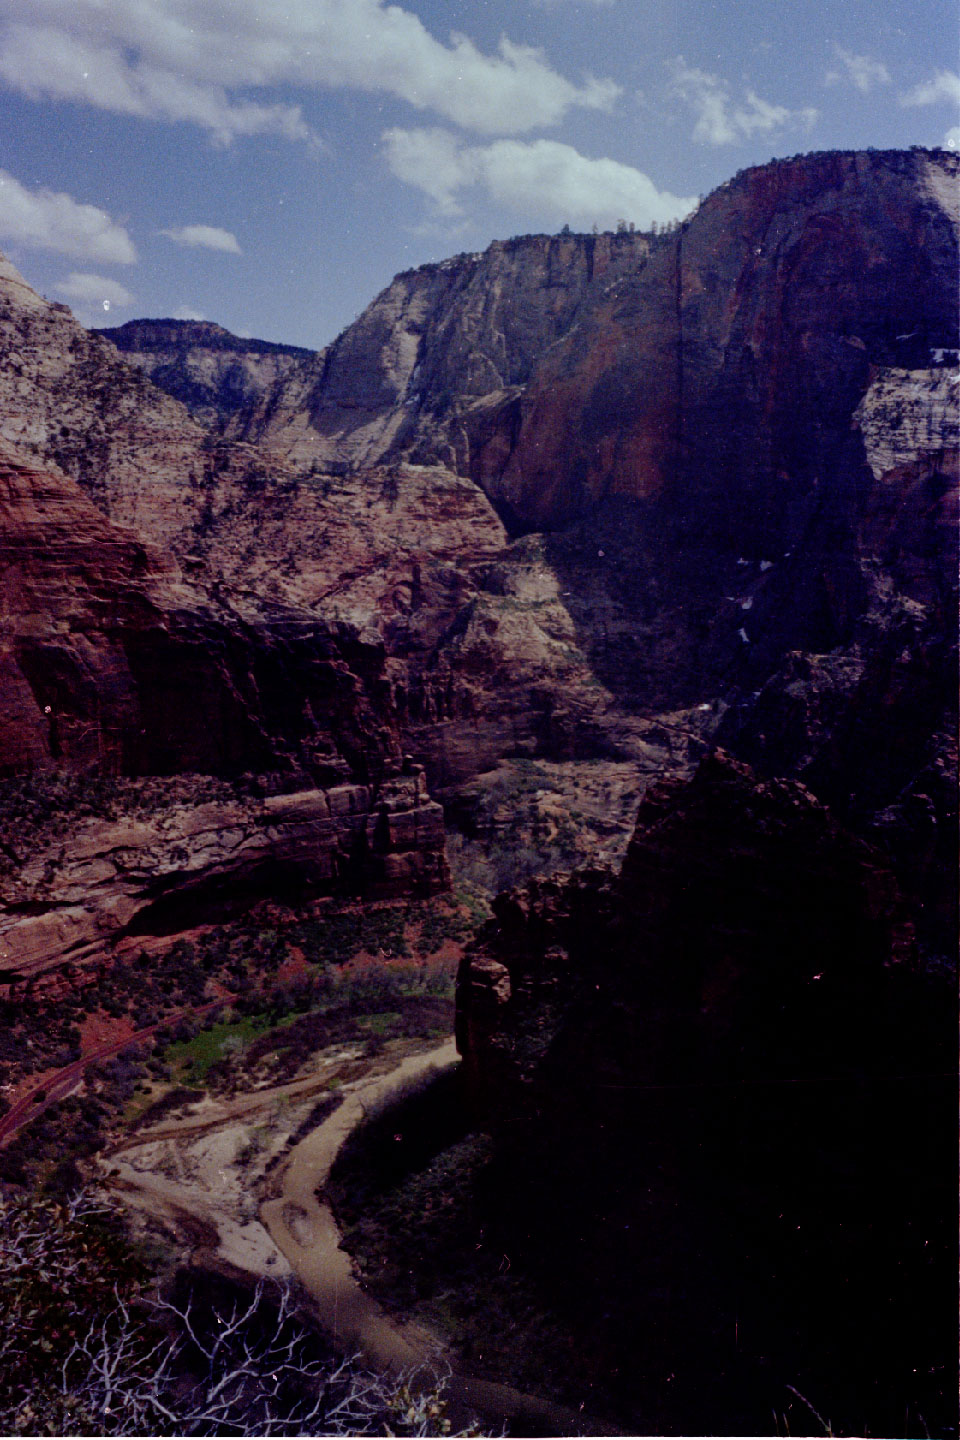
point(352, 976)
point(336, 938)
point(191, 1060)
point(39, 1033)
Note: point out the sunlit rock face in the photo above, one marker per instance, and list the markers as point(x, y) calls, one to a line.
point(726, 437)
point(722, 361)
point(115, 661)
point(220, 377)
point(585, 500)
point(722, 439)
point(438, 349)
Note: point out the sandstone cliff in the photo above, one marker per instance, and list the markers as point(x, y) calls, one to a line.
point(170, 858)
point(112, 664)
point(481, 658)
point(220, 377)
point(739, 440)
point(736, 438)
point(550, 522)
point(437, 345)
point(716, 428)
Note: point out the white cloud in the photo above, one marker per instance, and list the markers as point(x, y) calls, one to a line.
point(93, 297)
point(539, 178)
point(951, 141)
point(723, 121)
point(186, 59)
point(52, 220)
point(861, 70)
point(94, 289)
point(209, 237)
point(186, 312)
point(944, 88)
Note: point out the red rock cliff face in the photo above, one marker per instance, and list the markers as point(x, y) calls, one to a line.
point(728, 435)
point(111, 664)
point(112, 660)
point(739, 440)
point(729, 368)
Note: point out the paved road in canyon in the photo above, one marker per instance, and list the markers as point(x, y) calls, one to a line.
point(305, 1231)
point(65, 1081)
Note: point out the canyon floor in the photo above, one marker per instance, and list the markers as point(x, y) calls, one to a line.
point(236, 1186)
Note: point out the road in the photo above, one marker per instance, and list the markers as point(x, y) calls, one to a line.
point(306, 1233)
point(65, 1081)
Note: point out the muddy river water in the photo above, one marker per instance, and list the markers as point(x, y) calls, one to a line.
point(187, 1171)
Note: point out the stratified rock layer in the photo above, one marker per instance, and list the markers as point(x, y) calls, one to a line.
point(111, 663)
point(426, 360)
point(97, 882)
point(221, 378)
point(579, 499)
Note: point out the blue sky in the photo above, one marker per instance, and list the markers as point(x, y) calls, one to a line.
point(271, 166)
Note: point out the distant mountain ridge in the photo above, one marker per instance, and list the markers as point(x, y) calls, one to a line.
point(219, 376)
point(134, 336)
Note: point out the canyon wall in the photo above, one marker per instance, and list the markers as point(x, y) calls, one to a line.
point(593, 501)
point(719, 1086)
point(220, 377)
point(735, 443)
point(438, 343)
point(537, 534)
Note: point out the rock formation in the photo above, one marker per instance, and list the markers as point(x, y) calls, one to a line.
point(738, 442)
point(172, 860)
point(220, 377)
point(586, 500)
point(113, 664)
point(719, 1084)
point(438, 347)
point(534, 535)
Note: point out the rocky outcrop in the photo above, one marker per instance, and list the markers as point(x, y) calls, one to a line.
point(737, 438)
point(725, 359)
point(162, 869)
point(67, 399)
point(113, 664)
point(407, 566)
point(113, 661)
point(722, 435)
point(906, 413)
point(593, 502)
point(221, 378)
point(774, 303)
point(719, 1089)
point(437, 345)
